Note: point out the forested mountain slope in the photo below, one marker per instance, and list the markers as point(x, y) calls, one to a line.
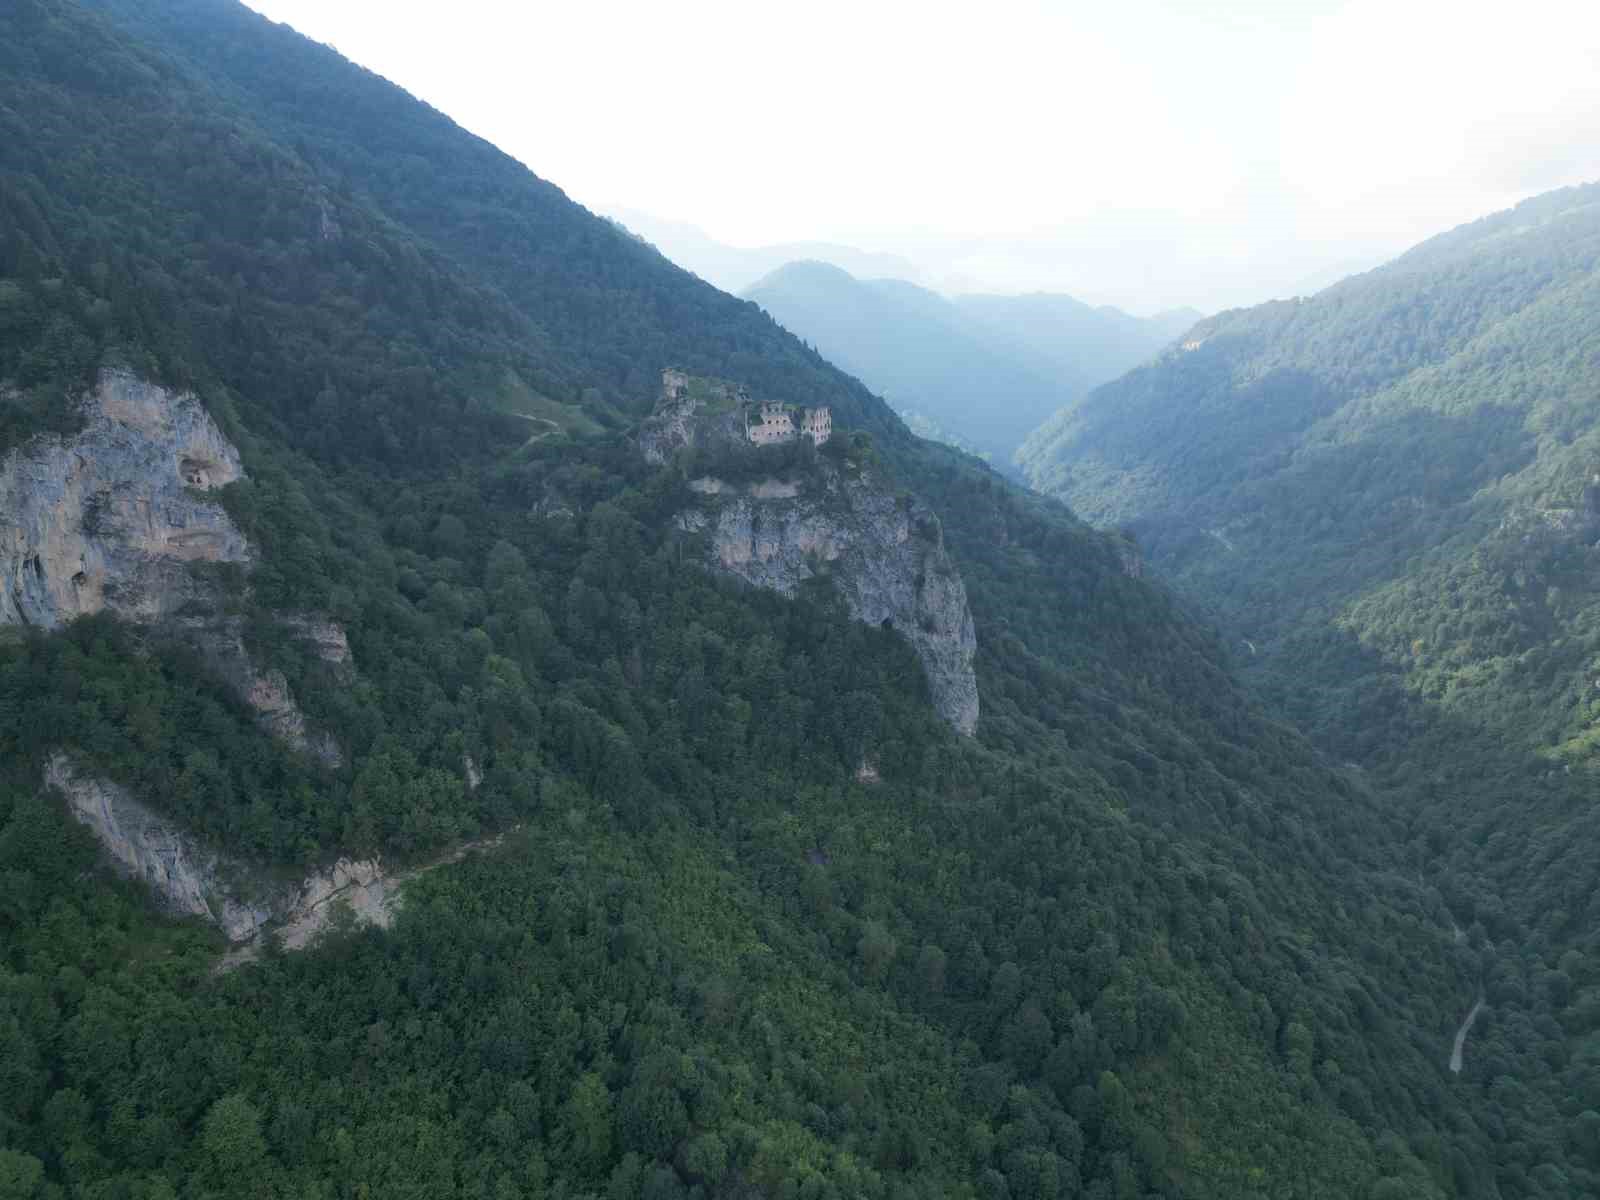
point(761, 923)
point(1387, 495)
point(1410, 456)
point(981, 371)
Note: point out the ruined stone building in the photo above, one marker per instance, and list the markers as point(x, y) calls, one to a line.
point(773, 424)
point(818, 424)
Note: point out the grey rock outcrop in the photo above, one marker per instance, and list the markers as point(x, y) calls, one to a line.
point(326, 638)
point(220, 642)
point(671, 427)
point(884, 553)
point(188, 879)
point(185, 878)
point(111, 518)
point(691, 413)
point(358, 885)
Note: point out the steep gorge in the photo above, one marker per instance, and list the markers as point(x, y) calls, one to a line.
point(1009, 966)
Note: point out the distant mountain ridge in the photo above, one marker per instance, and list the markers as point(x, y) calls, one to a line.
point(986, 370)
point(735, 268)
point(1096, 340)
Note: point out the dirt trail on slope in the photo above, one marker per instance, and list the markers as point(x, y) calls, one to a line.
point(1461, 1035)
point(373, 904)
point(555, 427)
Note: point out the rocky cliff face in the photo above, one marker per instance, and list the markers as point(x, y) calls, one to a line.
point(884, 553)
point(326, 638)
point(111, 518)
point(190, 880)
point(220, 641)
point(670, 427)
point(689, 413)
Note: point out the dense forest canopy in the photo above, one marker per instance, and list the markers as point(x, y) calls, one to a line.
point(1387, 495)
point(1397, 476)
point(1135, 938)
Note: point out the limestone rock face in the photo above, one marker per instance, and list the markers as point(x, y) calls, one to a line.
point(278, 713)
point(191, 880)
point(111, 518)
point(182, 875)
point(671, 427)
point(326, 638)
point(359, 884)
point(884, 553)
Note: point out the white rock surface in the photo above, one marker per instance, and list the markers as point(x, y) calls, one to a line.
point(190, 880)
point(111, 518)
point(185, 878)
point(884, 553)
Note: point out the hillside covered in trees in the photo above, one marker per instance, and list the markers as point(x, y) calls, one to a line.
point(1388, 494)
point(1409, 458)
point(760, 923)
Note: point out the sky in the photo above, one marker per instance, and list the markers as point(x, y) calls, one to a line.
point(1145, 153)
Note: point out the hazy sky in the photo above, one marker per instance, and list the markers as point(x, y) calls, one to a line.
point(1143, 152)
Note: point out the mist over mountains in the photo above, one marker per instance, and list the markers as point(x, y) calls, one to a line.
point(1388, 496)
point(981, 371)
point(978, 371)
point(735, 268)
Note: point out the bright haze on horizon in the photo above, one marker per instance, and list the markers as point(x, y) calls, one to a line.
point(1144, 153)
